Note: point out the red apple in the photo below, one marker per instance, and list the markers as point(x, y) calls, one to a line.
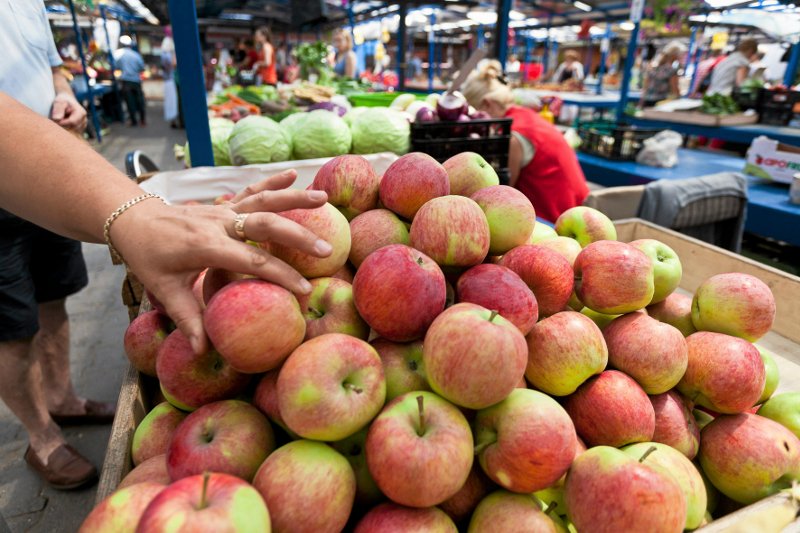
point(403, 366)
point(469, 172)
point(211, 502)
point(675, 310)
point(345, 273)
point(393, 518)
point(308, 487)
point(608, 491)
point(351, 184)
point(411, 181)
point(153, 470)
point(265, 399)
point(354, 449)
point(526, 442)
point(500, 289)
point(725, 374)
point(546, 272)
point(254, 324)
point(651, 352)
point(473, 357)
point(215, 279)
point(121, 511)
point(735, 304)
point(586, 225)
point(567, 247)
point(452, 230)
point(154, 432)
point(506, 511)
point(329, 308)
point(675, 425)
point(327, 223)
point(459, 507)
point(189, 381)
point(330, 387)
point(375, 229)
point(612, 409)
point(564, 350)
point(419, 449)
point(510, 215)
point(398, 291)
point(230, 436)
point(143, 337)
point(613, 277)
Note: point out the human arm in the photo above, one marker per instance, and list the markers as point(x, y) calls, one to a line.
point(577, 71)
point(269, 54)
point(741, 75)
point(350, 65)
point(66, 111)
point(60, 183)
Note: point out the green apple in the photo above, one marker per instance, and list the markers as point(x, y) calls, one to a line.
point(586, 225)
point(506, 511)
point(667, 269)
point(601, 319)
point(773, 376)
point(671, 462)
point(541, 232)
point(784, 409)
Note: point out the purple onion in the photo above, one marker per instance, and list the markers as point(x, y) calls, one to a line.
point(329, 106)
point(426, 114)
point(451, 105)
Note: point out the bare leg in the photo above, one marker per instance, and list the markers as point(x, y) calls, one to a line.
point(50, 347)
point(21, 390)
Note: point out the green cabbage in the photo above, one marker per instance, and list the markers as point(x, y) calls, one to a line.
point(379, 129)
point(351, 115)
point(257, 139)
point(220, 131)
point(289, 123)
point(320, 133)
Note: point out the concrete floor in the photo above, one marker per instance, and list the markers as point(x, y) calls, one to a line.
point(98, 321)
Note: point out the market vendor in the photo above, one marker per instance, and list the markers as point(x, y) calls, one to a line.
point(734, 69)
point(661, 77)
point(266, 67)
point(540, 162)
point(570, 69)
point(344, 60)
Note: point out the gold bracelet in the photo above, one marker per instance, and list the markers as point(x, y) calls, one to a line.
point(116, 258)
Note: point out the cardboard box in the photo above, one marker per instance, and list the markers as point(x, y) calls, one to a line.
point(700, 261)
point(771, 160)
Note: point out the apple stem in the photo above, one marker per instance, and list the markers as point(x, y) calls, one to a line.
point(357, 390)
point(203, 502)
point(421, 408)
point(420, 261)
point(650, 450)
point(316, 312)
point(494, 314)
point(480, 447)
point(551, 508)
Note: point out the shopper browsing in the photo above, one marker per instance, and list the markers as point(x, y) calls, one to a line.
point(734, 69)
point(540, 162)
point(661, 78)
point(344, 59)
point(131, 65)
point(265, 66)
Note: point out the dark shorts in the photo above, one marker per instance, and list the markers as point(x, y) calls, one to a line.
point(36, 266)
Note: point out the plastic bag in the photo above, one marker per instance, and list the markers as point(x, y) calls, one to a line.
point(661, 150)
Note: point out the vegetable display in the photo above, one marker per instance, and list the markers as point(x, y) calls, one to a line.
point(320, 133)
point(718, 104)
point(379, 129)
point(259, 140)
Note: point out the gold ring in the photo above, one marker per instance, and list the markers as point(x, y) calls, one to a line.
point(238, 225)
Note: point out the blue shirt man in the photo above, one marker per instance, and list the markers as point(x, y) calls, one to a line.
point(129, 61)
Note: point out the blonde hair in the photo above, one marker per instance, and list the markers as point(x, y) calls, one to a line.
point(673, 49)
point(485, 84)
point(347, 36)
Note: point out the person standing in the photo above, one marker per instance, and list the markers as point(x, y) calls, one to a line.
point(130, 62)
point(734, 69)
point(39, 269)
point(344, 60)
point(570, 69)
point(168, 64)
point(661, 78)
point(265, 66)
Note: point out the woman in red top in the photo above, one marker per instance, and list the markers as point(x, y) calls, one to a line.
point(540, 162)
point(265, 66)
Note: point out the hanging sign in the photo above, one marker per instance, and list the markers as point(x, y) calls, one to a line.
point(637, 7)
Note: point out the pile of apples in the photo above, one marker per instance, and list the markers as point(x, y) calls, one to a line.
point(457, 365)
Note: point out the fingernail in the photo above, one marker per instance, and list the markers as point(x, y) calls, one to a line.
point(322, 247)
point(317, 195)
point(305, 286)
point(196, 343)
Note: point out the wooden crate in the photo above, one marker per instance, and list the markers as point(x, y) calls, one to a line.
point(700, 261)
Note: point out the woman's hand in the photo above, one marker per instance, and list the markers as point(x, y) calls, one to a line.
point(166, 247)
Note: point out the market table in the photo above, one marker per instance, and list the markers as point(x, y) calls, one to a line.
point(606, 100)
point(740, 134)
point(769, 212)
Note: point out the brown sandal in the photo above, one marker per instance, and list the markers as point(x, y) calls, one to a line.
point(65, 468)
point(94, 413)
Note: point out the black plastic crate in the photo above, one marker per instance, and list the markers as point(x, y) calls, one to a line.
point(778, 106)
point(620, 142)
point(747, 99)
point(488, 137)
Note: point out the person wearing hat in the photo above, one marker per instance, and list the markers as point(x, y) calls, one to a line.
point(130, 62)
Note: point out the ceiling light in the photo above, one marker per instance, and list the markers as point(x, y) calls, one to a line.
point(516, 15)
point(627, 26)
point(580, 5)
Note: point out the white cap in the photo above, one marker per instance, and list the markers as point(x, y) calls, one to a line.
point(125, 40)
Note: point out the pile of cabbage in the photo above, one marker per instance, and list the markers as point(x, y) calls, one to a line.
point(323, 131)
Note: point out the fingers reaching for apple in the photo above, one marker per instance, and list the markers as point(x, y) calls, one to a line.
point(280, 200)
point(276, 182)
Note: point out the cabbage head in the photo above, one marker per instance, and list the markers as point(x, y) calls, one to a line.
point(379, 129)
point(220, 131)
point(257, 139)
point(320, 133)
point(290, 122)
point(351, 115)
